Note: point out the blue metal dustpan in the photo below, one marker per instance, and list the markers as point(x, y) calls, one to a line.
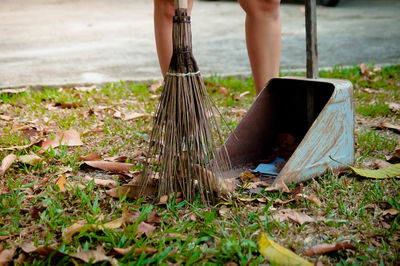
point(317, 112)
point(283, 107)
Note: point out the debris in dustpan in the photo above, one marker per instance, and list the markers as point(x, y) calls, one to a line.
point(270, 169)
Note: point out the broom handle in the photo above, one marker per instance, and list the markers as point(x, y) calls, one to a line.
point(181, 4)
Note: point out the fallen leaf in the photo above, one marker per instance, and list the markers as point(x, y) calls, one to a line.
point(165, 198)
point(223, 90)
point(246, 176)
point(176, 236)
point(297, 217)
point(326, 248)
point(391, 212)
point(13, 91)
point(6, 256)
point(145, 228)
point(153, 218)
point(94, 156)
point(101, 182)
point(124, 251)
point(61, 182)
point(223, 211)
point(239, 112)
point(77, 227)
point(282, 202)
point(279, 255)
point(5, 117)
point(93, 256)
point(84, 89)
point(395, 107)
point(388, 172)
point(120, 159)
point(117, 114)
point(381, 163)
point(68, 138)
point(6, 163)
point(377, 69)
point(134, 116)
point(110, 166)
point(395, 157)
point(313, 198)
point(29, 247)
point(244, 94)
point(133, 191)
point(23, 147)
point(278, 185)
point(31, 159)
point(390, 126)
point(364, 70)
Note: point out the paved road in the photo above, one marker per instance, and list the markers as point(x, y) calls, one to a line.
point(54, 42)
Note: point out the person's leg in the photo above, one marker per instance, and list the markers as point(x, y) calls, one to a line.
point(263, 38)
point(163, 13)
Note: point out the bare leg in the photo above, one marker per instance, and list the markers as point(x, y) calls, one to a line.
point(263, 38)
point(163, 13)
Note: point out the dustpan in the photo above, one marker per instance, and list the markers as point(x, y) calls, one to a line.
point(319, 113)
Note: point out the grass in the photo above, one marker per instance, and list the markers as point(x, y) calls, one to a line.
point(33, 209)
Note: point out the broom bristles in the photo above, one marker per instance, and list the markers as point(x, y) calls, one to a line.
point(183, 131)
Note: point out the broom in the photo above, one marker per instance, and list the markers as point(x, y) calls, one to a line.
point(182, 137)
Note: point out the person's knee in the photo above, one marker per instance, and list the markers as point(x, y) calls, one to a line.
point(260, 7)
point(164, 8)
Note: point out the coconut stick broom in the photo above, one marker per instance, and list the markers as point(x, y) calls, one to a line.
point(184, 127)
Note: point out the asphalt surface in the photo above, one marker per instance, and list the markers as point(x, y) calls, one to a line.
point(56, 42)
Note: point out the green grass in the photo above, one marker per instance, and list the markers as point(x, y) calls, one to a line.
point(33, 209)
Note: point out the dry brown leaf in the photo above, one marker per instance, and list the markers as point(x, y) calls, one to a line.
point(279, 185)
point(391, 212)
point(23, 147)
point(94, 156)
point(134, 116)
point(68, 138)
point(131, 217)
point(68, 105)
point(29, 247)
point(110, 166)
point(223, 211)
point(246, 176)
point(13, 91)
point(93, 256)
point(164, 199)
point(145, 228)
point(124, 251)
point(282, 202)
point(390, 126)
point(31, 159)
point(102, 182)
point(364, 70)
point(5, 117)
point(223, 90)
point(153, 218)
point(326, 248)
point(297, 217)
point(132, 191)
point(395, 107)
point(312, 198)
point(395, 157)
point(6, 163)
point(120, 159)
point(117, 114)
point(84, 89)
point(6, 256)
point(381, 163)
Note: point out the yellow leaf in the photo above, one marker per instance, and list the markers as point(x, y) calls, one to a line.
point(387, 172)
point(61, 182)
point(280, 255)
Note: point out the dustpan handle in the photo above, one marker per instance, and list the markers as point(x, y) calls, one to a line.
point(181, 4)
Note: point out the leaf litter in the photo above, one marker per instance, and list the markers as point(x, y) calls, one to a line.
point(292, 198)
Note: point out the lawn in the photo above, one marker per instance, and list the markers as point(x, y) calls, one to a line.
point(57, 209)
